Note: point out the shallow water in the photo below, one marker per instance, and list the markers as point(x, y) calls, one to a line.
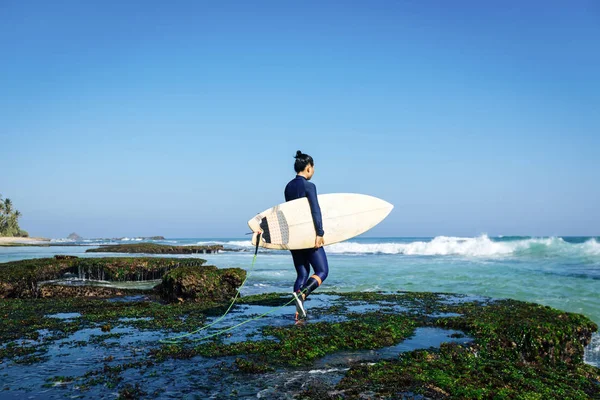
point(199, 377)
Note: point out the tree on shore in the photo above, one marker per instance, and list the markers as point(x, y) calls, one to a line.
point(9, 219)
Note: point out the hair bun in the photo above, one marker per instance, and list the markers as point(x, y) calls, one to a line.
point(298, 154)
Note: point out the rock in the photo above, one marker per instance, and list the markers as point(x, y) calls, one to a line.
point(20, 279)
point(205, 283)
point(63, 291)
point(7, 290)
point(153, 248)
point(64, 257)
point(74, 236)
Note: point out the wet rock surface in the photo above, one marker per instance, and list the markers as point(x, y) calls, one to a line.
point(62, 291)
point(204, 283)
point(353, 346)
point(23, 279)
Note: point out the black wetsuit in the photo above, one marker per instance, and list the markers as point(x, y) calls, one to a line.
point(297, 188)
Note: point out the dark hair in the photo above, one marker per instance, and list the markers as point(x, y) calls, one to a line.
point(302, 160)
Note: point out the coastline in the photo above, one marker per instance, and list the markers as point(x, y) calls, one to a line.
point(11, 241)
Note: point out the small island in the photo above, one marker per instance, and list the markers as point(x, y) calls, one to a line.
point(74, 236)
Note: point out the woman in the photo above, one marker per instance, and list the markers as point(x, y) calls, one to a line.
point(303, 259)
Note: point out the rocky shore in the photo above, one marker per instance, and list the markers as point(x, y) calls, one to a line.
point(354, 345)
point(182, 278)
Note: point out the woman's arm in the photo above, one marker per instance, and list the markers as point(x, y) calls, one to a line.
point(315, 209)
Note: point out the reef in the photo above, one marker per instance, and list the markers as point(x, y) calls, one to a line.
point(520, 350)
point(65, 291)
point(353, 346)
point(154, 248)
point(206, 283)
point(24, 279)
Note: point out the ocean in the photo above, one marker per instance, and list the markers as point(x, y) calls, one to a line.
point(561, 272)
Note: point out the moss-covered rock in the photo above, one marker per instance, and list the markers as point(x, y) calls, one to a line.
point(205, 283)
point(21, 279)
point(153, 248)
point(517, 350)
point(521, 350)
point(458, 372)
point(302, 345)
point(526, 332)
point(64, 291)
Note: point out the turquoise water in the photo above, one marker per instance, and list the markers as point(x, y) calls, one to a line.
point(560, 272)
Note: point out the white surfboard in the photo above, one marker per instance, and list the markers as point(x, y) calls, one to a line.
point(289, 226)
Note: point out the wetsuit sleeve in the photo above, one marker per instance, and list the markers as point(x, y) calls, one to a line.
point(315, 210)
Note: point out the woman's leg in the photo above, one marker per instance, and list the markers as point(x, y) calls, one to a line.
point(318, 260)
point(302, 265)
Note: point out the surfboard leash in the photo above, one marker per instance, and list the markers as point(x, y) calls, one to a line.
point(175, 339)
point(222, 331)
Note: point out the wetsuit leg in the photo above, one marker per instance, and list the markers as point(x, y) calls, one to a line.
point(302, 264)
point(318, 260)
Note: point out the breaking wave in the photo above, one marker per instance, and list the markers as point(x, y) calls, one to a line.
point(64, 240)
point(481, 246)
point(230, 243)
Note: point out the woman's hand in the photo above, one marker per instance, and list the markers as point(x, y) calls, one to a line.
point(319, 242)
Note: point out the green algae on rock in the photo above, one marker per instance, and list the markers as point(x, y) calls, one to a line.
point(525, 332)
point(154, 248)
point(521, 350)
point(25, 320)
point(54, 291)
point(301, 345)
point(458, 372)
point(204, 283)
point(22, 279)
point(518, 350)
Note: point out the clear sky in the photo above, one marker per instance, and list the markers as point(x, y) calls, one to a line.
point(181, 118)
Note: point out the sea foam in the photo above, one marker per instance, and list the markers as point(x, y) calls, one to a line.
point(234, 243)
point(481, 246)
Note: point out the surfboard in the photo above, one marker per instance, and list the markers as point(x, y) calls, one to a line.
point(289, 225)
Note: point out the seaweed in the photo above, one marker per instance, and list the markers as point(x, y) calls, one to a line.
point(154, 248)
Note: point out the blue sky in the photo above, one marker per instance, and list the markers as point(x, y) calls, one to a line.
point(181, 118)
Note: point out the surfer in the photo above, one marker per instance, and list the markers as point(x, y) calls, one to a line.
point(303, 259)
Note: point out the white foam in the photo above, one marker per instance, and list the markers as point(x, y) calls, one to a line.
point(591, 247)
point(327, 371)
point(592, 351)
point(481, 246)
point(240, 243)
point(441, 245)
point(236, 243)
